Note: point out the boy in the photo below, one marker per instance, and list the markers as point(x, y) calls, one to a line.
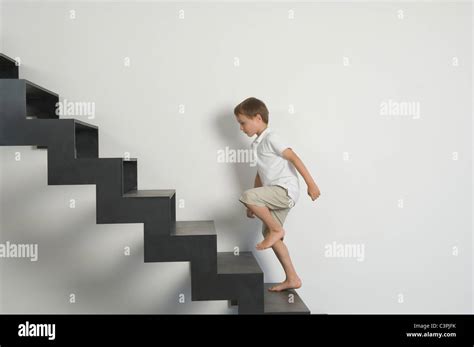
point(276, 184)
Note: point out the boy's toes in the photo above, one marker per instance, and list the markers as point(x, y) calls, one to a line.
point(259, 246)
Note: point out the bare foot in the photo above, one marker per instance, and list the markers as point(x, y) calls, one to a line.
point(272, 237)
point(288, 284)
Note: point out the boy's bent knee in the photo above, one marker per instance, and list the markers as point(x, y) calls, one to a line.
point(249, 197)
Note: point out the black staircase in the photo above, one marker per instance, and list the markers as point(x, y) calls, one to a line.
point(27, 117)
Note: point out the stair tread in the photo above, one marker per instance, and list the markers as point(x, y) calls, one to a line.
point(107, 158)
point(277, 302)
point(189, 228)
point(152, 193)
point(244, 263)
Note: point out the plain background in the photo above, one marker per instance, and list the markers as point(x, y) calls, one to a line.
point(363, 162)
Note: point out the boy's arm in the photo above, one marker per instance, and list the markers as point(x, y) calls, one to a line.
point(313, 190)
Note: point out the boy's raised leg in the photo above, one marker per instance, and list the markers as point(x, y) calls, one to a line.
point(276, 231)
point(292, 280)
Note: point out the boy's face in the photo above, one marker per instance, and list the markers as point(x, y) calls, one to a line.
point(250, 126)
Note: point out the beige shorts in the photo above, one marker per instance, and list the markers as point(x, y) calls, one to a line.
point(274, 197)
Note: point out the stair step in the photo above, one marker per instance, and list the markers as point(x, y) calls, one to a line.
point(279, 302)
point(40, 102)
point(8, 68)
point(244, 263)
point(194, 228)
point(155, 193)
point(194, 241)
point(24, 99)
point(85, 136)
point(242, 281)
point(90, 171)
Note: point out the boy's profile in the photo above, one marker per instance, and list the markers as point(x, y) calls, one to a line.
point(276, 188)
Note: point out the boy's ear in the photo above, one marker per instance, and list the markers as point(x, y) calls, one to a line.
point(259, 116)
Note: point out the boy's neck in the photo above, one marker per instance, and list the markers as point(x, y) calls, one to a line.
point(262, 130)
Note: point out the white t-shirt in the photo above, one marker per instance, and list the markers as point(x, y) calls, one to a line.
point(272, 168)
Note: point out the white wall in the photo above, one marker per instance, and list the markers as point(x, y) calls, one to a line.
point(298, 62)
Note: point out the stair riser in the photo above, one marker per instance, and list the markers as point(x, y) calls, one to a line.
point(247, 289)
point(86, 142)
point(8, 71)
point(8, 68)
point(201, 250)
point(58, 135)
point(251, 294)
point(152, 222)
point(84, 171)
point(130, 174)
point(13, 101)
point(153, 211)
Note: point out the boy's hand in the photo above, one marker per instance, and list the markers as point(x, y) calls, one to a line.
point(313, 192)
point(250, 214)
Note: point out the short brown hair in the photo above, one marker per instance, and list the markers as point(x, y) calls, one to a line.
point(250, 107)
